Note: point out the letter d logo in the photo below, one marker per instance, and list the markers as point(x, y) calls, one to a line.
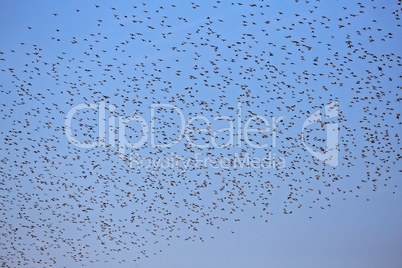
point(330, 156)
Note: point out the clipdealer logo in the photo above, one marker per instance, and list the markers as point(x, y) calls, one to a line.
point(239, 130)
point(148, 132)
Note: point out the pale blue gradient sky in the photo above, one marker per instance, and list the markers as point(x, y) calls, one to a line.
point(96, 59)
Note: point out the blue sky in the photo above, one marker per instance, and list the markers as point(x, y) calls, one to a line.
point(317, 82)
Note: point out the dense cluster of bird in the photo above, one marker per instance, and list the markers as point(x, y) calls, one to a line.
point(211, 58)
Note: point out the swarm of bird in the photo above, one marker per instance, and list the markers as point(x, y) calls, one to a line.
point(233, 60)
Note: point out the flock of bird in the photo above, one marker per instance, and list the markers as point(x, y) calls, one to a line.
point(207, 59)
